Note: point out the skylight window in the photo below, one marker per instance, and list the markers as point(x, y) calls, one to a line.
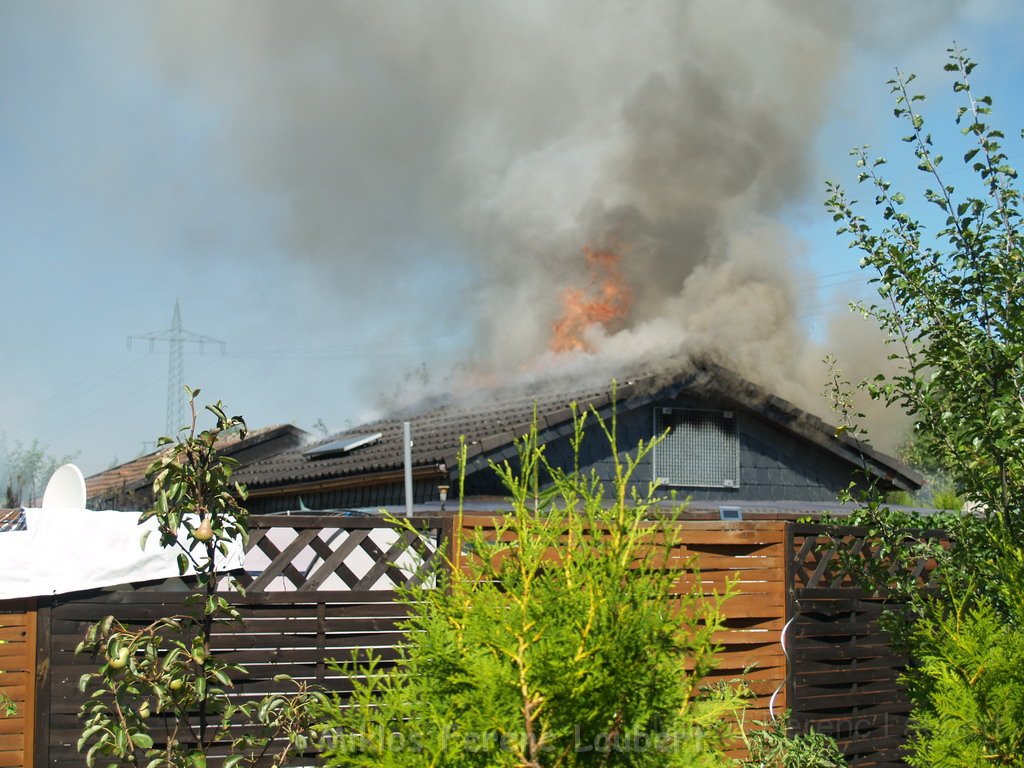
point(344, 444)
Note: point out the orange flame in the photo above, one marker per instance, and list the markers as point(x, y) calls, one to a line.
point(605, 301)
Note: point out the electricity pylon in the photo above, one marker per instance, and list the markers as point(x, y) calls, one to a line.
point(176, 338)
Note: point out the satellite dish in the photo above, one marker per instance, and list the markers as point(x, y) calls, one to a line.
point(66, 489)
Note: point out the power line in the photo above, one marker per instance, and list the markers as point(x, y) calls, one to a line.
point(61, 398)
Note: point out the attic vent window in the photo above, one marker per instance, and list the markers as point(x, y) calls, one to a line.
point(702, 449)
point(344, 444)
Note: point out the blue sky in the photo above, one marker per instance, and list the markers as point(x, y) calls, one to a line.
point(348, 193)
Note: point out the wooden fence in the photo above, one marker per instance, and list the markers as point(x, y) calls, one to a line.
point(843, 670)
point(752, 555)
point(322, 586)
point(17, 675)
point(325, 587)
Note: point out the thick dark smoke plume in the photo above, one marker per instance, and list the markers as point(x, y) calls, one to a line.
point(503, 137)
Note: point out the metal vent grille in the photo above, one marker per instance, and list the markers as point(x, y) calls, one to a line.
point(702, 449)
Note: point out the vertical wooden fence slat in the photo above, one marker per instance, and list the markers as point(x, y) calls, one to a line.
point(321, 642)
point(790, 582)
point(31, 642)
point(448, 543)
point(41, 738)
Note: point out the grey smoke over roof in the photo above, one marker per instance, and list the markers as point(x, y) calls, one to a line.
point(518, 133)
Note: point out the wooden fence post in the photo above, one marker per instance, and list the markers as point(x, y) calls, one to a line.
point(791, 610)
point(41, 713)
point(451, 540)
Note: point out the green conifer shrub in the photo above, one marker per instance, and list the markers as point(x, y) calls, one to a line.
point(557, 641)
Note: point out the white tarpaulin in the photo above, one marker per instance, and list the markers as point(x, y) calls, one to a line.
point(66, 550)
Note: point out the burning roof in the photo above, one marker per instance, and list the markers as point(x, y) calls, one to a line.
point(605, 301)
point(490, 422)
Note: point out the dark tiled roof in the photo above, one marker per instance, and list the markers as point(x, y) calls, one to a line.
point(435, 436)
point(491, 419)
point(116, 479)
point(130, 477)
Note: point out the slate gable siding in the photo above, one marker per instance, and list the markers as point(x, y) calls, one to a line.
point(774, 466)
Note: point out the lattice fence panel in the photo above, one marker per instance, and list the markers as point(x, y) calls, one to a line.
point(829, 556)
point(314, 553)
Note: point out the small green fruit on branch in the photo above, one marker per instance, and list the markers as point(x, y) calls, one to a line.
point(121, 660)
point(204, 531)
